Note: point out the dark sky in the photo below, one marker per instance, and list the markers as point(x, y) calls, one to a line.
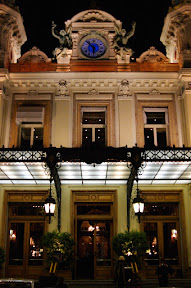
point(149, 16)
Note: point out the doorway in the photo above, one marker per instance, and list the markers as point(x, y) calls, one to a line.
point(162, 238)
point(161, 224)
point(94, 225)
point(94, 247)
point(26, 225)
point(25, 250)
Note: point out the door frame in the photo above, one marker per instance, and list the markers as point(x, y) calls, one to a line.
point(107, 197)
point(23, 196)
point(165, 196)
point(24, 270)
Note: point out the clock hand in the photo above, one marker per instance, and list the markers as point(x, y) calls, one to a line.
point(93, 47)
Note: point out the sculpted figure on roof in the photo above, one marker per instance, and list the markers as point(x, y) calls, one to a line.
point(121, 39)
point(64, 36)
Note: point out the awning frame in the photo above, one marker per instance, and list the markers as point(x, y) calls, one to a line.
point(93, 154)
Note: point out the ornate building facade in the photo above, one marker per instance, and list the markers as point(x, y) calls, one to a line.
point(98, 120)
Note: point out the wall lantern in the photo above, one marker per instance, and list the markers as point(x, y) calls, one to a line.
point(138, 204)
point(50, 204)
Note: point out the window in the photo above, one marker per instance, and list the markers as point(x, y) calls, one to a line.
point(30, 120)
point(31, 135)
point(156, 127)
point(93, 125)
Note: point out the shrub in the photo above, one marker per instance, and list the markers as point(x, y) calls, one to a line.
point(59, 247)
point(130, 244)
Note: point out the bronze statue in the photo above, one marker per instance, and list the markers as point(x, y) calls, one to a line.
point(63, 36)
point(121, 39)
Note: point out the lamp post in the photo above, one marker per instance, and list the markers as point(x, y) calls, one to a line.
point(138, 203)
point(50, 204)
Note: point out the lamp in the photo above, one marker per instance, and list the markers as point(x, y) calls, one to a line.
point(50, 204)
point(138, 204)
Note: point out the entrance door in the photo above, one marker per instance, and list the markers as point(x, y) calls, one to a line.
point(94, 249)
point(25, 256)
point(162, 239)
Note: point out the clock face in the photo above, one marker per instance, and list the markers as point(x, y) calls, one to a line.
point(93, 47)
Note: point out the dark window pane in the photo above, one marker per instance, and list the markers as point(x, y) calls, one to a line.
point(93, 210)
point(38, 137)
point(86, 136)
point(25, 137)
point(152, 255)
point(157, 209)
point(149, 137)
point(170, 243)
point(35, 248)
point(103, 255)
point(155, 117)
point(161, 137)
point(100, 135)
point(93, 118)
point(26, 209)
point(16, 237)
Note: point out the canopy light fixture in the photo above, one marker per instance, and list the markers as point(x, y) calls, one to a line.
point(138, 203)
point(50, 204)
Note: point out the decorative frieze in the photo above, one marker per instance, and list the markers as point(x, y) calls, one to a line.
point(124, 88)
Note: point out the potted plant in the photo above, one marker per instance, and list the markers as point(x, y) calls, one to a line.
point(59, 248)
point(130, 246)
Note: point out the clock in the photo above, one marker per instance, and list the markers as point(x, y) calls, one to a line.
point(93, 46)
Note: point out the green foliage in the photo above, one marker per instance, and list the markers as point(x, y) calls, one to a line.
point(2, 256)
point(59, 246)
point(130, 243)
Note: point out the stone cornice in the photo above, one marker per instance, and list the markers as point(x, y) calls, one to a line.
point(99, 81)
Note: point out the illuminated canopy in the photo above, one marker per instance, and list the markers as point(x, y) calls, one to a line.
point(170, 166)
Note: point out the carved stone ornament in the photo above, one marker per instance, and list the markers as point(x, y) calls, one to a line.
point(154, 92)
point(10, 3)
point(34, 55)
point(124, 91)
point(93, 92)
point(63, 55)
point(32, 93)
point(62, 91)
point(152, 55)
point(93, 16)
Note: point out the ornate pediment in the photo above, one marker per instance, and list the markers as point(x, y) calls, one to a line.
point(92, 15)
point(152, 55)
point(34, 56)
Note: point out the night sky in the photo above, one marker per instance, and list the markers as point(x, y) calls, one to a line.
point(39, 14)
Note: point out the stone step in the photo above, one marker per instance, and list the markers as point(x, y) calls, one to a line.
point(173, 283)
point(149, 283)
point(91, 283)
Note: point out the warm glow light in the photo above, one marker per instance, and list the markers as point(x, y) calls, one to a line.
point(49, 208)
point(91, 228)
point(174, 234)
point(12, 235)
point(138, 205)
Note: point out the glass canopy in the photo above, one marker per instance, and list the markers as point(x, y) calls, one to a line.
point(106, 173)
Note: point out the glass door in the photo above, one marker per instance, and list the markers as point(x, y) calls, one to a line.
point(94, 248)
point(162, 237)
point(25, 251)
